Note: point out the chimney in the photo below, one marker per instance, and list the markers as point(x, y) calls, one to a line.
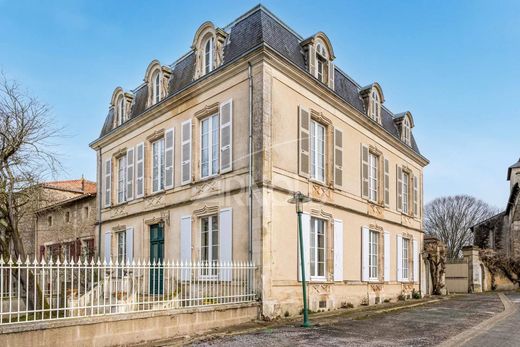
point(82, 183)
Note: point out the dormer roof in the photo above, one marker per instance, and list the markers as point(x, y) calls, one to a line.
point(514, 166)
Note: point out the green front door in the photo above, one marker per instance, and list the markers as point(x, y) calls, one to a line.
point(157, 255)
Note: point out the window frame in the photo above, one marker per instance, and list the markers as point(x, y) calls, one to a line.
point(156, 86)
point(161, 168)
point(121, 179)
point(314, 128)
point(373, 255)
point(121, 246)
point(207, 54)
point(375, 106)
point(405, 196)
point(405, 259)
point(314, 249)
point(212, 148)
point(373, 177)
point(210, 244)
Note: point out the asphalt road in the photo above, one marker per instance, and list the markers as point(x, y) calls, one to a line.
point(504, 333)
point(426, 325)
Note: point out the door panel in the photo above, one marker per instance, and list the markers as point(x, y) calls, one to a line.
point(157, 255)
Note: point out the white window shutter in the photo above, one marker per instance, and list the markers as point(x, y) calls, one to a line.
point(387, 182)
point(108, 245)
point(365, 233)
point(338, 250)
point(338, 157)
point(139, 171)
point(399, 258)
point(415, 196)
point(186, 152)
point(399, 188)
point(186, 246)
point(304, 142)
point(331, 75)
point(130, 174)
point(169, 140)
point(226, 242)
point(306, 235)
point(364, 171)
point(108, 182)
point(415, 261)
point(129, 244)
point(312, 61)
point(226, 136)
point(386, 256)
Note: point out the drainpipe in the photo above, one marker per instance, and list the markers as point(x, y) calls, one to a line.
point(100, 200)
point(250, 178)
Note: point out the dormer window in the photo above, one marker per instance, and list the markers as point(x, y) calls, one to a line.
point(322, 63)
point(208, 55)
point(156, 87)
point(319, 57)
point(120, 110)
point(375, 108)
point(406, 131)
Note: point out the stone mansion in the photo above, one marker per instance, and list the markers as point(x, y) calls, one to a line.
point(198, 163)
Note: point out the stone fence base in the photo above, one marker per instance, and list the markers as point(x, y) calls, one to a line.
point(126, 329)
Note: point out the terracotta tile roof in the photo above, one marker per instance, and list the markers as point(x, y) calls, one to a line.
point(81, 185)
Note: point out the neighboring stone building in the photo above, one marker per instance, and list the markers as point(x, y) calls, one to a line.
point(56, 201)
point(502, 231)
point(175, 169)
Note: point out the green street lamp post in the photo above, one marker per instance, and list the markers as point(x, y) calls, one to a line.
point(298, 199)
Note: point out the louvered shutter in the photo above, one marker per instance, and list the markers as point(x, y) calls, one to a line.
point(130, 174)
point(365, 234)
point(386, 256)
point(129, 245)
point(304, 142)
point(338, 157)
point(139, 172)
point(387, 182)
point(226, 136)
point(108, 182)
point(399, 258)
point(312, 61)
point(331, 75)
point(226, 242)
point(415, 196)
point(399, 188)
point(169, 140)
point(186, 152)
point(108, 245)
point(364, 171)
point(306, 235)
point(185, 246)
point(415, 261)
point(338, 250)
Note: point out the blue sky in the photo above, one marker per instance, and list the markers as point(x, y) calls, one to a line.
point(454, 64)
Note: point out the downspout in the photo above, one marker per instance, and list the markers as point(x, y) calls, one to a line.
point(250, 178)
point(100, 201)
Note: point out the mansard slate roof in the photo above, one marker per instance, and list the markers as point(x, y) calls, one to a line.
point(256, 27)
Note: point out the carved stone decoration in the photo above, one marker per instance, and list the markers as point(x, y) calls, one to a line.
point(375, 210)
point(119, 211)
point(406, 220)
point(207, 187)
point(320, 288)
point(320, 192)
point(153, 201)
point(376, 227)
point(376, 287)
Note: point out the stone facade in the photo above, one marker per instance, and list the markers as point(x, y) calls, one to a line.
point(502, 232)
point(352, 213)
point(62, 205)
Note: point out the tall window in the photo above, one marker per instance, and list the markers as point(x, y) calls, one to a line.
point(121, 179)
point(121, 246)
point(375, 108)
point(317, 249)
point(158, 165)
point(317, 151)
point(209, 146)
point(156, 87)
point(120, 110)
point(406, 247)
point(321, 62)
point(49, 221)
point(373, 177)
point(406, 183)
point(208, 55)
point(209, 242)
point(406, 131)
point(372, 254)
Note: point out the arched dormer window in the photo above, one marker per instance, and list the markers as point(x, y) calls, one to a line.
point(156, 87)
point(120, 106)
point(407, 132)
point(319, 57)
point(120, 110)
point(375, 108)
point(322, 62)
point(208, 55)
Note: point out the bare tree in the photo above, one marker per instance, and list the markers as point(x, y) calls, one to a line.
point(450, 218)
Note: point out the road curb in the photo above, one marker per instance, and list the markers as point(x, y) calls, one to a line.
point(484, 326)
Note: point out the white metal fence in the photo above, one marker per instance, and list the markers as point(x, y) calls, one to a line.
point(35, 291)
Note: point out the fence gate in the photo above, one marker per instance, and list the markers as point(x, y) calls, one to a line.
point(457, 276)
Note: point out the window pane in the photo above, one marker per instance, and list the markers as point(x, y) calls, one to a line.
point(205, 148)
point(215, 144)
